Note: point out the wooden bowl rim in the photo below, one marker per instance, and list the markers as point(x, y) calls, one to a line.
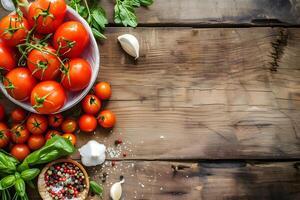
point(41, 180)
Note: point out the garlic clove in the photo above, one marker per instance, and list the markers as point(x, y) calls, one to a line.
point(116, 190)
point(8, 5)
point(130, 44)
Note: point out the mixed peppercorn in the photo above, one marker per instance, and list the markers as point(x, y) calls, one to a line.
point(64, 181)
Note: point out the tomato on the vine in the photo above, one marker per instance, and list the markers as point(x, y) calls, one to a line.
point(70, 39)
point(47, 15)
point(4, 135)
point(48, 97)
point(103, 90)
point(19, 83)
point(87, 123)
point(69, 126)
point(55, 120)
point(7, 61)
point(36, 141)
point(18, 114)
point(2, 112)
point(107, 119)
point(43, 64)
point(50, 134)
point(20, 151)
point(71, 137)
point(91, 104)
point(37, 124)
point(19, 134)
point(76, 74)
point(13, 29)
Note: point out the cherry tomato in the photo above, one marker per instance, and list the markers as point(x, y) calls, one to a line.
point(69, 126)
point(51, 133)
point(18, 115)
point(20, 134)
point(71, 137)
point(77, 74)
point(13, 29)
point(47, 14)
point(107, 119)
point(20, 151)
point(55, 120)
point(37, 124)
point(36, 141)
point(71, 39)
point(103, 90)
point(2, 112)
point(87, 123)
point(7, 61)
point(91, 104)
point(48, 97)
point(42, 64)
point(19, 83)
point(4, 135)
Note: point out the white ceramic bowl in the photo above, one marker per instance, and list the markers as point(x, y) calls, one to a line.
point(91, 54)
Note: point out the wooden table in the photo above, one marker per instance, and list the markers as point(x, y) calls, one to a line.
point(211, 109)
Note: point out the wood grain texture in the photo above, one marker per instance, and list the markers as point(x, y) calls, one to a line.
point(214, 12)
point(204, 180)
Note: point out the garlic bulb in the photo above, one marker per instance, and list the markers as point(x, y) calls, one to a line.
point(116, 190)
point(92, 153)
point(130, 44)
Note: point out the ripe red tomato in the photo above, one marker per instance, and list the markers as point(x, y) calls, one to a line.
point(69, 126)
point(19, 83)
point(77, 74)
point(55, 120)
point(2, 112)
point(103, 90)
point(7, 61)
point(48, 97)
point(47, 14)
point(91, 104)
point(37, 124)
point(36, 141)
point(70, 38)
point(20, 151)
point(71, 137)
point(43, 64)
point(51, 134)
point(4, 135)
point(87, 123)
point(13, 29)
point(20, 134)
point(18, 115)
point(107, 119)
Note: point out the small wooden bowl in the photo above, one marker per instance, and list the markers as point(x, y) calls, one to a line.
point(42, 185)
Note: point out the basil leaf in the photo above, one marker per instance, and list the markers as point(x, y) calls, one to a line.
point(96, 188)
point(99, 17)
point(146, 2)
point(98, 34)
point(7, 163)
point(20, 187)
point(125, 13)
point(54, 148)
point(7, 182)
point(29, 174)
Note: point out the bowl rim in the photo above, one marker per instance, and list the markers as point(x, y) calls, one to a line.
point(84, 92)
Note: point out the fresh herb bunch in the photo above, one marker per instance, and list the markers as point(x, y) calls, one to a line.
point(94, 14)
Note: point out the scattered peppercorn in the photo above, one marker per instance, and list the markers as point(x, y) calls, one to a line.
point(118, 141)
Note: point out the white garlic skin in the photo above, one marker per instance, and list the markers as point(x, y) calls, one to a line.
point(130, 44)
point(116, 190)
point(92, 153)
point(8, 5)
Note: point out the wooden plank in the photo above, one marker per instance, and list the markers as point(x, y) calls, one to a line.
point(204, 94)
point(237, 180)
point(214, 12)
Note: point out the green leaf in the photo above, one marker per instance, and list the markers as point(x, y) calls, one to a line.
point(96, 188)
point(125, 13)
point(7, 163)
point(146, 2)
point(29, 174)
point(20, 187)
point(99, 17)
point(98, 34)
point(54, 148)
point(7, 182)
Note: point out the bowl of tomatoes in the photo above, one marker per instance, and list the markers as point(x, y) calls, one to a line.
point(53, 57)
